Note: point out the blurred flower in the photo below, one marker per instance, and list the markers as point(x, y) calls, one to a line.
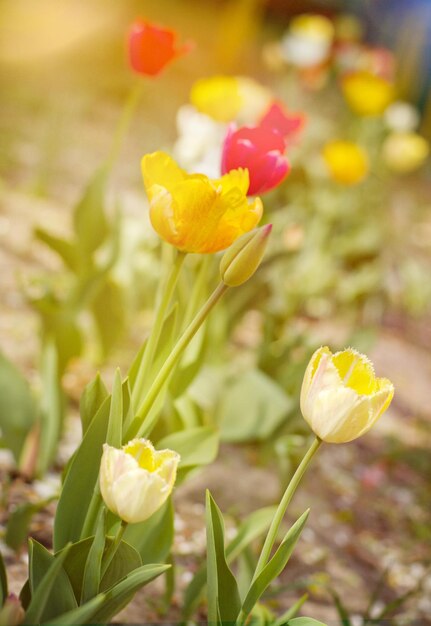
point(244, 256)
point(402, 116)
point(200, 140)
point(152, 47)
point(346, 161)
point(367, 94)
point(341, 398)
point(136, 480)
point(218, 96)
point(193, 212)
point(289, 125)
point(405, 152)
point(378, 61)
point(261, 151)
point(348, 28)
point(308, 40)
point(228, 98)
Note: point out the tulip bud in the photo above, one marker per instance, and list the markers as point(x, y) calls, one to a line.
point(136, 480)
point(242, 259)
point(341, 398)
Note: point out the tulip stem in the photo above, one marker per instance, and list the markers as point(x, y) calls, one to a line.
point(141, 427)
point(123, 124)
point(280, 513)
point(164, 296)
point(113, 547)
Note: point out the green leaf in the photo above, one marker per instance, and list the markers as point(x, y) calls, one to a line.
point(3, 581)
point(91, 400)
point(290, 613)
point(51, 409)
point(276, 565)
point(305, 621)
point(91, 578)
point(19, 521)
point(253, 526)
point(115, 421)
point(252, 408)
point(17, 407)
point(120, 594)
point(65, 249)
point(341, 609)
point(80, 481)
point(126, 560)
point(223, 597)
point(90, 223)
point(109, 312)
point(51, 591)
point(196, 446)
point(153, 538)
point(81, 615)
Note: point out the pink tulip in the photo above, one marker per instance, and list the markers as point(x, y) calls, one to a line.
point(261, 151)
point(289, 125)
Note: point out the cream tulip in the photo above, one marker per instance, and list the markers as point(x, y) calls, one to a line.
point(341, 398)
point(136, 480)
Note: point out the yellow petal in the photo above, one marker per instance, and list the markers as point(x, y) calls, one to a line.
point(367, 94)
point(218, 96)
point(159, 168)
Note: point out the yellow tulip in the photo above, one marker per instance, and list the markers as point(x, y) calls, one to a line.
point(218, 96)
point(136, 480)
point(347, 162)
point(405, 152)
point(195, 213)
point(366, 93)
point(341, 398)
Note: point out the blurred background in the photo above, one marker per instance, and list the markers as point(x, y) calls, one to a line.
point(350, 265)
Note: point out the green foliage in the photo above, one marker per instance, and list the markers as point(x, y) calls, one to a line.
point(153, 538)
point(19, 522)
point(223, 597)
point(91, 400)
point(18, 411)
point(3, 581)
point(304, 621)
point(252, 408)
point(275, 566)
point(196, 446)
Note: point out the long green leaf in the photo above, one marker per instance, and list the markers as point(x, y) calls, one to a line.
point(305, 621)
point(42, 596)
point(248, 531)
point(196, 446)
point(3, 581)
point(120, 594)
point(275, 566)
point(65, 249)
point(91, 226)
point(290, 613)
point(153, 538)
point(80, 481)
point(81, 615)
point(91, 400)
point(223, 596)
point(51, 408)
point(91, 578)
point(115, 422)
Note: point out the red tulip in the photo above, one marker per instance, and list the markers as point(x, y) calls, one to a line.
point(152, 47)
point(289, 125)
point(261, 151)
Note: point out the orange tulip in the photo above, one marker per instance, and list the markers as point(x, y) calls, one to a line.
point(152, 47)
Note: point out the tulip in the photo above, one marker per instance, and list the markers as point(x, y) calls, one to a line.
point(341, 398)
point(261, 151)
point(152, 47)
point(405, 152)
point(195, 213)
point(289, 125)
point(136, 480)
point(218, 96)
point(347, 162)
point(402, 117)
point(367, 94)
point(308, 40)
point(242, 259)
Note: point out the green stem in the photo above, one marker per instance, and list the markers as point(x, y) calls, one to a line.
point(126, 117)
point(282, 507)
point(163, 299)
point(278, 517)
point(140, 427)
point(113, 547)
point(92, 513)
